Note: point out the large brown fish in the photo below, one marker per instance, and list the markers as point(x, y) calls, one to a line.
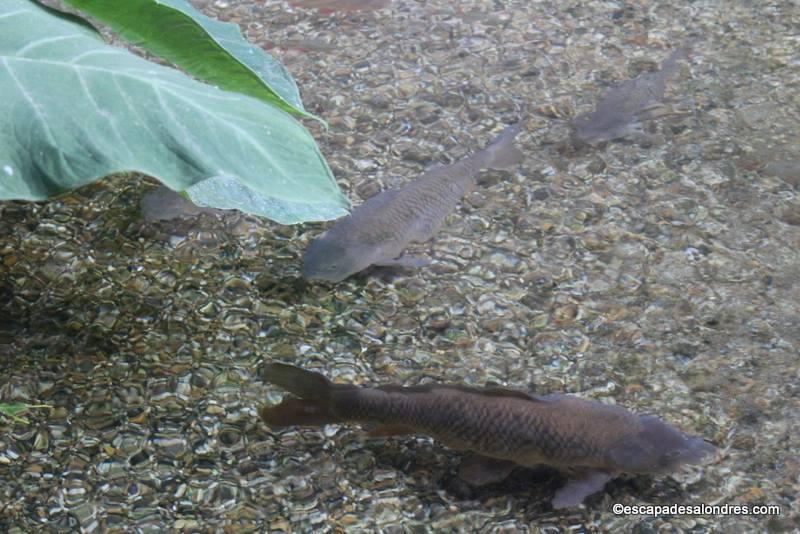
point(503, 428)
point(622, 109)
point(377, 231)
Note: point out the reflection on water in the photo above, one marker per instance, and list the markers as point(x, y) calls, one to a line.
point(658, 273)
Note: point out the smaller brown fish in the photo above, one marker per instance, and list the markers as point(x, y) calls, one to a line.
point(503, 428)
point(377, 231)
point(622, 109)
point(164, 204)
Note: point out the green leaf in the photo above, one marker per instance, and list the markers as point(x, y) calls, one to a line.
point(74, 110)
point(13, 410)
point(210, 50)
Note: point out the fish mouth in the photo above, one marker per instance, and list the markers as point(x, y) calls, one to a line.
point(696, 451)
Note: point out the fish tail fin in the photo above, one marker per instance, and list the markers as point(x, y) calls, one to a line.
point(315, 405)
point(502, 152)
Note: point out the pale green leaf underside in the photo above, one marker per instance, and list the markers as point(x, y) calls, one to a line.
point(227, 193)
point(74, 110)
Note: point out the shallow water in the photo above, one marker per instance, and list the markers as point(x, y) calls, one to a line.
point(659, 274)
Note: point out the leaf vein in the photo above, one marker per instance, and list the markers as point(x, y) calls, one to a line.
point(35, 44)
point(37, 110)
point(17, 12)
point(106, 115)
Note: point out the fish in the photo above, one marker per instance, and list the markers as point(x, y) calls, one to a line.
point(622, 108)
point(377, 231)
point(330, 6)
point(500, 428)
point(164, 204)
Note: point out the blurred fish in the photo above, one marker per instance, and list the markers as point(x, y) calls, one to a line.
point(329, 6)
point(622, 109)
point(377, 231)
point(502, 428)
point(787, 170)
point(163, 204)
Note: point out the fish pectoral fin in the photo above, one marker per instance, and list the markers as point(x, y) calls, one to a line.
point(384, 431)
point(576, 490)
point(404, 261)
point(479, 470)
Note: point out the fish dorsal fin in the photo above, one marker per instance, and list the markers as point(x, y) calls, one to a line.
point(490, 390)
point(495, 390)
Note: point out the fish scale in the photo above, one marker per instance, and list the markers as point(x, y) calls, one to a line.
point(472, 424)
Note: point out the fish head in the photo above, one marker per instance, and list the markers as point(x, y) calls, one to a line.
point(658, 448)
point(326, 259)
